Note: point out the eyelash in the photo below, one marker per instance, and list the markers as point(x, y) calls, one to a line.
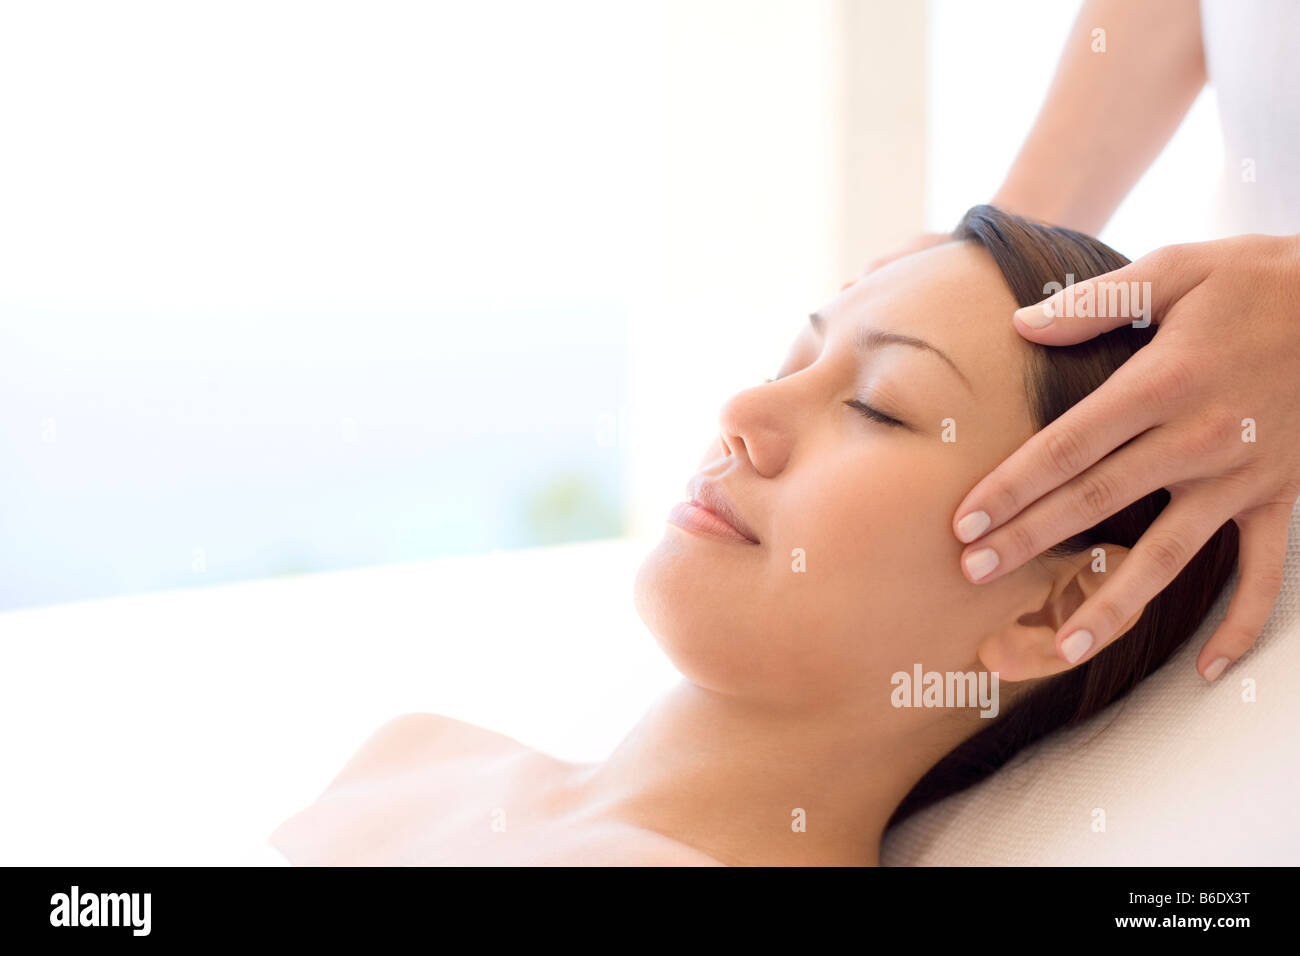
point(874, 414)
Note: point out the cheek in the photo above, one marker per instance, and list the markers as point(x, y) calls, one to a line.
point(880, 561)
point(858, 577)
point(877, 519)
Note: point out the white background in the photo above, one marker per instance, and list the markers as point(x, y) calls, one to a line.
point(478, 233)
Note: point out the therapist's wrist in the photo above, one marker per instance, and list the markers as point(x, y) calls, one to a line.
point(1049, 205)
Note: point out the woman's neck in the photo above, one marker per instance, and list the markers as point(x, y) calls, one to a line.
point(751, 786)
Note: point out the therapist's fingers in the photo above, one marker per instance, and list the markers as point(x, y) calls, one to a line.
point(1140, 292)
point(1260, 559)
point(1141, 393)
point(1144, 465)
point(1179, 531)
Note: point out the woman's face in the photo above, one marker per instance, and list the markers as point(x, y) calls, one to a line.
point(856, 571)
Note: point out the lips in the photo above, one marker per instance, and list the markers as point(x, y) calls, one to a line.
point(710, 496)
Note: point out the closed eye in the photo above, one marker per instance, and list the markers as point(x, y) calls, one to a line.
point(875, 414)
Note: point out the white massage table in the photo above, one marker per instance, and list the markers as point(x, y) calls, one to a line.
point(181, 727)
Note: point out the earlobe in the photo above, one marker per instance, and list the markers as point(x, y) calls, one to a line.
point(1026, 648)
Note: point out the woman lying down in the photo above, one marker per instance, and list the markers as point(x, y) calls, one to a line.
point(816, 568)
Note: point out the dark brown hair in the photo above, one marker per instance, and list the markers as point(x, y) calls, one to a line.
point(1030, 255)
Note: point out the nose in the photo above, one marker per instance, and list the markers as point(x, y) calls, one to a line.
point(754, 428)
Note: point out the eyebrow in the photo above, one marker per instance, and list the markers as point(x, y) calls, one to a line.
point(869, 338)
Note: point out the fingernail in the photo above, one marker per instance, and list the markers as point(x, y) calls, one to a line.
point(1035, 316)
point(981, 563)
point(1076, 645)
point(1216, 668)
point(972, 526)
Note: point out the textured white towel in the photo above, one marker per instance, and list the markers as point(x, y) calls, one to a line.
point(1180, 772)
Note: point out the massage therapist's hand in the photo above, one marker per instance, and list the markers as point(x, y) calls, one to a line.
point(1209, 409)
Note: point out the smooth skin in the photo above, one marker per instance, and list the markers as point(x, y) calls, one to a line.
point(1173, 416)
point(782, 743)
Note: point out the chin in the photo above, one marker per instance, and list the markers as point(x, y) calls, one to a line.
point(731, 634)
point(688, 605)
point(663, 592)
point(672, 597)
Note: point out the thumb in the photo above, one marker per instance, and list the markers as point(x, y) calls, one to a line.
point(1139, 293)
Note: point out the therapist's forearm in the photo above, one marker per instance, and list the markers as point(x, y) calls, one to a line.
point(1107, 114)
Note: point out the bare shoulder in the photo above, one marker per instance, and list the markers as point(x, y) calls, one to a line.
point(415, 750)
point(447, 734)
point(624, 845)
point(669, 853)
point(416, 740)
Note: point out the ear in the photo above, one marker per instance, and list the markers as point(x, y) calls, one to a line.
point(1025, 649)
